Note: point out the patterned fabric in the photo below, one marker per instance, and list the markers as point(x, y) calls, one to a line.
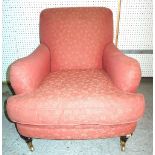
point(76, 97)
point(76, 84)
point(76, 132)
point(124, 71)
point(76, 36)
point(26, 73)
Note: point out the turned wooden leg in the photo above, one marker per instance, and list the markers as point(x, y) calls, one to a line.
point(28, 141)
point(123, 140)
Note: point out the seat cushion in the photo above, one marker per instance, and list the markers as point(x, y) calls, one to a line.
point(76, 97)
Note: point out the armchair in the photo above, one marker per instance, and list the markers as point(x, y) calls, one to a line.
point(76, 84)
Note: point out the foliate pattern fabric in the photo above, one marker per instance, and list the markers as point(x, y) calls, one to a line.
point(76, 84)
point(124, 71)
point(76, 36)
point(26, 73)
point(76, 97)
point(76, 132)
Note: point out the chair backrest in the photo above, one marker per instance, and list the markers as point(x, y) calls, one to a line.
point(76, 37)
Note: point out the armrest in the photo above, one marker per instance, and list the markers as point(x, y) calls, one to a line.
point(25, 74)
point(124, 71)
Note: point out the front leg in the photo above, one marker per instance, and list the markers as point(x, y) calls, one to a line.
point(123, 140)
point(29, 142)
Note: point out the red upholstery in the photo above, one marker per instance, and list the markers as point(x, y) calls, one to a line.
point(124, 71)
point(76, 36)
point(76, 97)
point(27, 73)
point(76, 132)
point(76, 84)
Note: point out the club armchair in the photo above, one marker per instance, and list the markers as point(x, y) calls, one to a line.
point(76, 84)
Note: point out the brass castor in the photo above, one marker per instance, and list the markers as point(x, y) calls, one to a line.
point(29, 142)
point(123, 140)
point(30, 145)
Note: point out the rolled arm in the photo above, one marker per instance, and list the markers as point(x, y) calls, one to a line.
point(124, 71)
point(25, 74)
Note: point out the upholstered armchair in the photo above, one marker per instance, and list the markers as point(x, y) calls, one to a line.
point(76, 84)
